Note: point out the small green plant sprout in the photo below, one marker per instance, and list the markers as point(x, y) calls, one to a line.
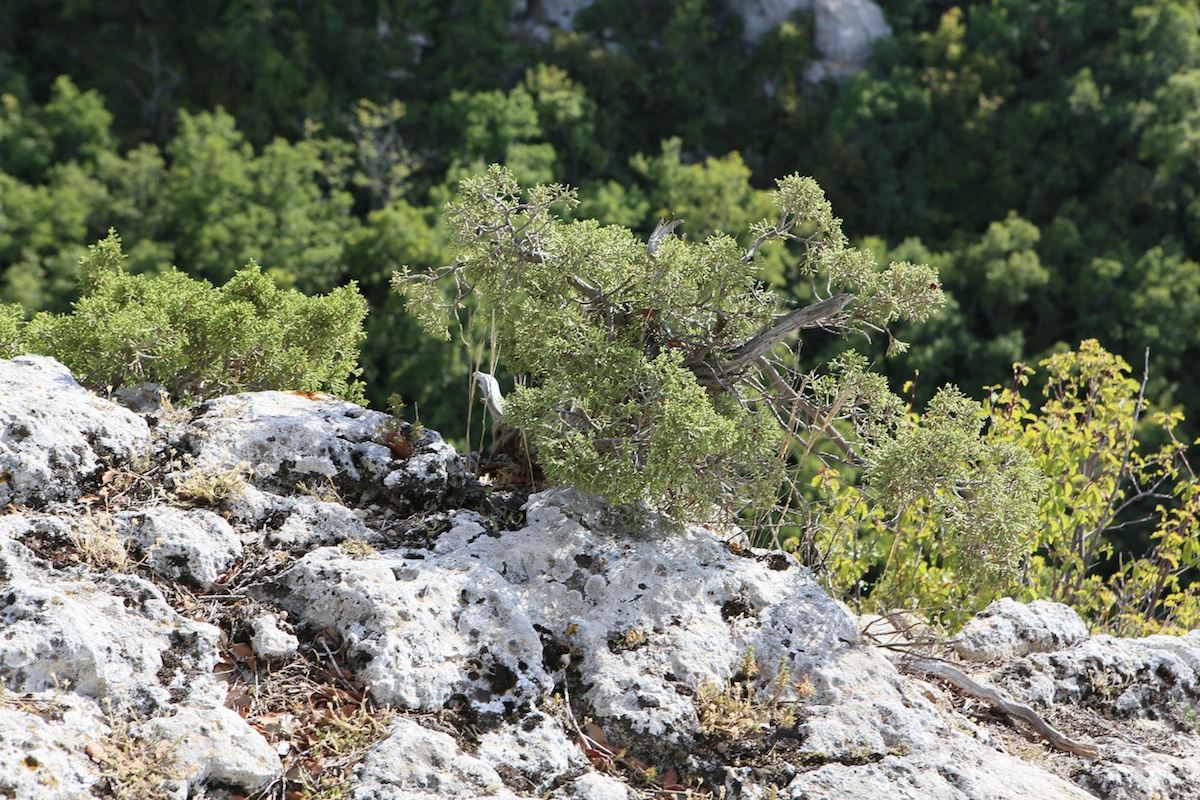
point(667, 373)
point(398, 435)
point(734, 711)
point(198, 340)
point(210, 486)
point(1187, 715)
point(630, 639)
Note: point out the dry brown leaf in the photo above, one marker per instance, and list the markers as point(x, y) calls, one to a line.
point(242, 652)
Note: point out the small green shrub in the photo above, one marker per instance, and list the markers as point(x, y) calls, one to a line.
point(666, 371)
point(1088, 437)
point(199, 340)
point(11, 317)
point(1101, 480)
point(940, 521)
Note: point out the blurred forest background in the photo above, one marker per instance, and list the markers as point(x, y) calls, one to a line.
point(1044, 155)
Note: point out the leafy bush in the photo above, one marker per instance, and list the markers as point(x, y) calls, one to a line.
point(1087, 436)
point(198, 340)
point(940, 521)
point(666, 371)
point(1102, 481)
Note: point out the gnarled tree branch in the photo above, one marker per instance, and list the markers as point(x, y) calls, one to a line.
point(811, 316)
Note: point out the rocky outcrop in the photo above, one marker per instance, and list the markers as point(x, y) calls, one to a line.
point(845, 29)
point(759, 17)
point(574, 652)
point(55, 437)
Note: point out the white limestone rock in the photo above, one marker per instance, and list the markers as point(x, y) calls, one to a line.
point(594, 786)
point(115, 636)
point(550, 13)
point(425, 632)
point(760, 17)
point(962, 770)
point(647, 616)
point(1140, 772)
point(1122, 678)
point(255, 509)
point(214, 746)
point(194, 546)
point(287, 439)
point(43, 736)
point(536, 748)
point(415, 763)
point(433, 477)
point(491, 623)
point(846, 30)
point(311, 523)
point(1139, 691)
point(1007, 628)
point(55, 436)
point(270, 643)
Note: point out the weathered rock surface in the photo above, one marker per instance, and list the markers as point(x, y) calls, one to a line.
point(194, 546)
point(269, 642)
point(846, 31)
point(213, 746)
point(415, 762)
point(110, 637)
point(759, 17)
point(43, 736)
point(55, 436)
point(1007, 628)
point(561, 658)
point(291, 442)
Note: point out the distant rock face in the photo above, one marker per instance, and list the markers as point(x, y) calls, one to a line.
point(759, 17)
point(559, 657)
point(845, 29)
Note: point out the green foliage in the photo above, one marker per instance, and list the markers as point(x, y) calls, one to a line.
point(270, 64)
point(1087, 437)
point(11, 319)
point(656, 370)
point(229, 204)
point(543, 128)
point(941, 521)
point(198, 340)
point(1041, 156)
point(647, 430)
point(384, 160)
point(1061, 541)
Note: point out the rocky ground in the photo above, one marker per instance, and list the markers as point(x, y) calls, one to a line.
point(278, 595)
